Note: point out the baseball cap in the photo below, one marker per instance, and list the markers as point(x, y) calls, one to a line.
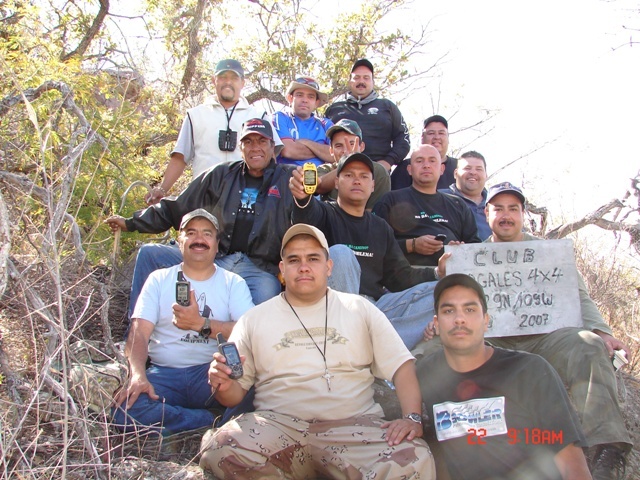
point(304, 229)
point(362, 62)
point(436, 118)
point(505, 187)
point(354, 157)
point(454, 280)
point(229, 65)
point(257, 125)
point(202, 213)
point(311, 83)
point(346, 125)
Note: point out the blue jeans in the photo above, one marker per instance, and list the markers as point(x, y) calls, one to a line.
point(151, 257)
point(345, 276)
point(181, 406)
point(409, 311)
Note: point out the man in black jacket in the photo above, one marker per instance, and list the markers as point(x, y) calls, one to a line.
point(366, 256)
point(252, 202)
point(384, 132)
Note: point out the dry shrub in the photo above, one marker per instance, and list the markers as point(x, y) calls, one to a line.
point(614, 285)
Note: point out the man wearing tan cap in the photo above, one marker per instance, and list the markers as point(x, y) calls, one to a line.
point(313, 365)
point(171, 395)
point(303, 133)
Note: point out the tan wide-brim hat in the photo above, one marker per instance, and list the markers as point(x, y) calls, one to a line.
point(311, 84)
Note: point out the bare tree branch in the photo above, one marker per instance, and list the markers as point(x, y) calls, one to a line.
point(264, 93)
point(193, 50)
point(5, 244)
point(589, 219)
point(90, 34)
point(520, 158)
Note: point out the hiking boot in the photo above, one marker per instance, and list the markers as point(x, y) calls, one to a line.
point(608, 463)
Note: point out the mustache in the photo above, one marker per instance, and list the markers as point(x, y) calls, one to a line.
point(361, 85)
point(507, 221)
point(199, 245)
point(459, 329)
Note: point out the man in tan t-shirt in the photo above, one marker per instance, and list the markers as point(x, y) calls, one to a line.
point(312, 354)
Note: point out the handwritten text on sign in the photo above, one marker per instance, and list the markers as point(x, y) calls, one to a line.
point(531, 287)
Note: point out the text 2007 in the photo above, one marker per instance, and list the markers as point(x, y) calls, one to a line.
point(533, 320)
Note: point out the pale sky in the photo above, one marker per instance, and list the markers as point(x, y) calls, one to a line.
point(551, 71)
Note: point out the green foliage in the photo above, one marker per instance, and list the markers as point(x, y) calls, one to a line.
point(116, 105)
point(139, 119)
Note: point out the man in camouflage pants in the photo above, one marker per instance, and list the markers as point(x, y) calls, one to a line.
point(312, 354)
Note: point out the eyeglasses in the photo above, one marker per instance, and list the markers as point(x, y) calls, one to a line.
point(308, 81)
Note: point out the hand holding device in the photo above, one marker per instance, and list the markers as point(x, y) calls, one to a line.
point(309, 178)
point(182, 293)
point(232, 357)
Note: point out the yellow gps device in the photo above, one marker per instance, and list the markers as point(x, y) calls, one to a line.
point(309, 178)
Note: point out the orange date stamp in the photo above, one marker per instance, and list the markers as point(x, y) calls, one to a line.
point(527, 436)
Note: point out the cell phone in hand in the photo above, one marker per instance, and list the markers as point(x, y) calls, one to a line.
point(230, 353)
point(182, 293)
point(441, 237)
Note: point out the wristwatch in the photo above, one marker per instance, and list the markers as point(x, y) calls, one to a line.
point(205, 331)
point(414, 417)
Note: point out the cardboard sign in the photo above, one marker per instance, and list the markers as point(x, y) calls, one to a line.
point(531, 287)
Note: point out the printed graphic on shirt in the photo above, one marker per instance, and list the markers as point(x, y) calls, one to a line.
point(360, 250)
point(248, 200)
point(300, 338)
point(205, 311)
point(436, 217)
point(274, 191)
point(454, 420)
point(372, 111)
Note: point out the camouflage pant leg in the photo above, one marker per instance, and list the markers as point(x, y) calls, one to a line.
point(356, 448)
point(270, 445)
point(258, 445)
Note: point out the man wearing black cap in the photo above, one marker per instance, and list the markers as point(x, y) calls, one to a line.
point(303, 133)
point(346, 138)
point(494, 413)
point(435, 132)
point(384, 131)
point(209, 133)
point(171, 395)
point(366, 256)
point(251, 199)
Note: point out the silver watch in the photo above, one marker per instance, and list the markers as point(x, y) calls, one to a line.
point(414, 417)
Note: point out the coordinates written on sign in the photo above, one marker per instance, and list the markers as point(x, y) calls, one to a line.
point(531, 287)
